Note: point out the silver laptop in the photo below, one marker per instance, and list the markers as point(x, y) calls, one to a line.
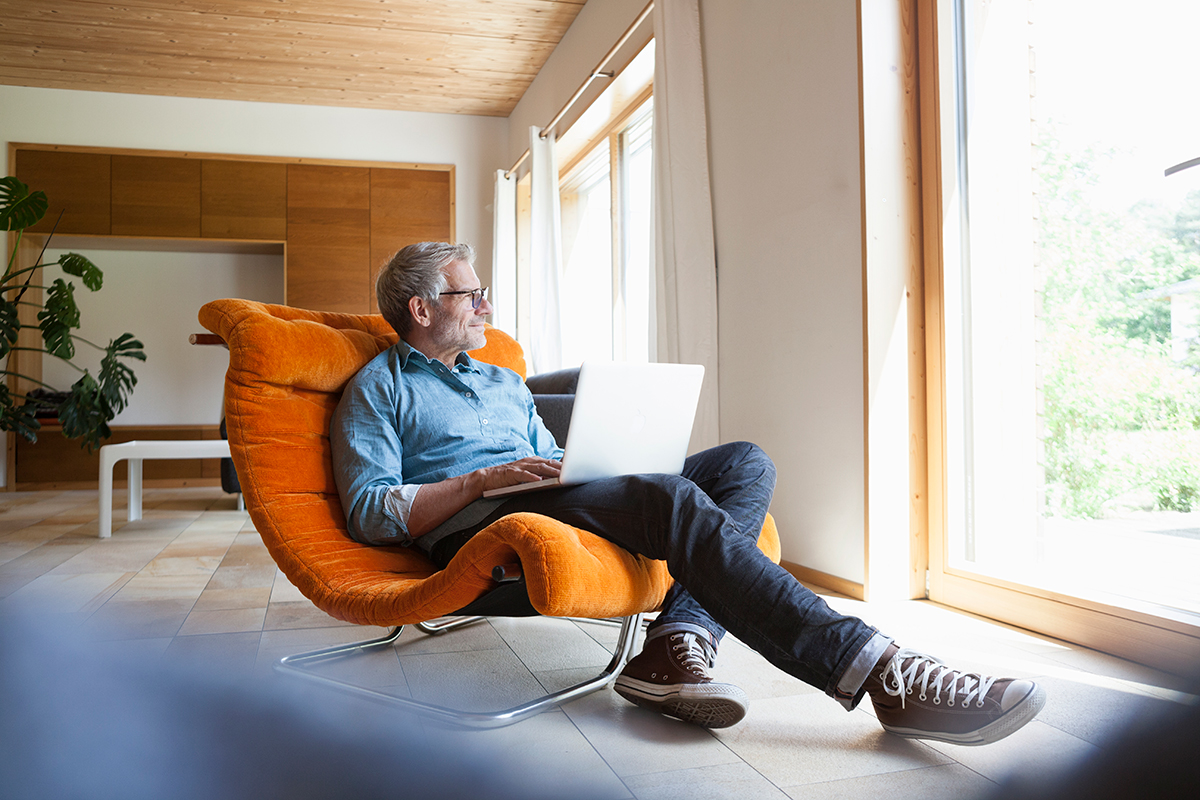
point(627, 419)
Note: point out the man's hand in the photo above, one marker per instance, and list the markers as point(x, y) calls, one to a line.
point(437, 502)
point(526, 470)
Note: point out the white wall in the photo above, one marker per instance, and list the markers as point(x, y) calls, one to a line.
point(783, 110)
point(179, 383)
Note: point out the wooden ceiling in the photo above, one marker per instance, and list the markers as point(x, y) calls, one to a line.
point(449, 56)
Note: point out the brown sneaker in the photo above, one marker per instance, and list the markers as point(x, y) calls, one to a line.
point(670, 676)
point(919, 697)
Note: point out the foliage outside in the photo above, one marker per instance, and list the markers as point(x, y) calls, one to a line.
point(92, 401)
point(1121, 418)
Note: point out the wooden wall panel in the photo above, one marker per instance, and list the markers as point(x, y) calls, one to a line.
point(56, 459)
point(407, 206)
point(243, 200)
point(77, 184)
point(329, 238)
point(155, 196)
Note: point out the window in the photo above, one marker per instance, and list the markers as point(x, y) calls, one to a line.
point(1070, 387)
point(607, 245)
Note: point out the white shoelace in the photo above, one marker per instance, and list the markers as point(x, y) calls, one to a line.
point(696, 657)
point(926, 668)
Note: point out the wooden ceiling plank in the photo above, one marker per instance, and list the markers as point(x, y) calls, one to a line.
point(544, 20)
point(298, 95)
point(465, 56)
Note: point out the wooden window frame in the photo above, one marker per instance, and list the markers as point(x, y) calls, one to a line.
point(1160, 637)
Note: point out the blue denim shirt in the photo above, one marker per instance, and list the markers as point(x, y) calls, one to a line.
point(404, 419)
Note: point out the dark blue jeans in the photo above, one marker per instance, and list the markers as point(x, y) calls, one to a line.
point(705, 524)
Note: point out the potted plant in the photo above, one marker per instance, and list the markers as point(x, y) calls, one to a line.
point(92, 401)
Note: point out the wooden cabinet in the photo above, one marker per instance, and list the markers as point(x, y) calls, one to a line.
point(340, 221)
point(243, 200)
point(77, 184)
point(155, 196)
point(407, 206)
point(329, 238)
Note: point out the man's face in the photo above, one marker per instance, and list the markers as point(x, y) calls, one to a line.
point(456, 326)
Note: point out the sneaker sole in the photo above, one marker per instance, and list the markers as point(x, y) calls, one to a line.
point(1016, 717)
point(711, 705)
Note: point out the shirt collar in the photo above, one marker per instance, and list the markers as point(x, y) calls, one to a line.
point(406, 351)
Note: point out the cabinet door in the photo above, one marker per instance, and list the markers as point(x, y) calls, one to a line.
point(243, 200)
point(77, 184)
point(329, 238)
point(155, 196)
point(407, 206)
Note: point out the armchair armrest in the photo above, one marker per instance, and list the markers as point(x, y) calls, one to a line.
point(554, 396)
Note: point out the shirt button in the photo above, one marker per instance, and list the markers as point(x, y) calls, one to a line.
point(485, 422)
point(467, 394)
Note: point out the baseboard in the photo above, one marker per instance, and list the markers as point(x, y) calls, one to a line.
point(815, 579)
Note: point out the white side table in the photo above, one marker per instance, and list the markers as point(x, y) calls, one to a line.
point(135, 452)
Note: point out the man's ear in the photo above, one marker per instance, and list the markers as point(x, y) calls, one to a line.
point(419, 308)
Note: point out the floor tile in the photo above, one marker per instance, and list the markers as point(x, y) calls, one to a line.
point(230, 620)
point(111, 556)
point(634, 741)
point(243, 578)
point(217, 599)
point(164, 587)
point(58, 593)
point(298, 615)
point(723, 782)
point(165, 565)
point(945, 782)
point(282, 590)
point(549, 755)
point(550, 644)
point(1094, 710)
point(139, 619)
point(478, 680)
point(229, 655)
point(812, 739)
point(1038, 751)
point(477, 636)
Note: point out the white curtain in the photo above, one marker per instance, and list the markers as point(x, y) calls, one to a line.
point(504, 254)
point(684, 251)
point(545, 256)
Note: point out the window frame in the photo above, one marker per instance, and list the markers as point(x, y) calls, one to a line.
point(1151, 634)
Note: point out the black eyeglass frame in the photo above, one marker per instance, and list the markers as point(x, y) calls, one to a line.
point(477, 295)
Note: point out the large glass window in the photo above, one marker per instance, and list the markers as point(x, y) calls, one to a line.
point(607, 246)
point(1072, 299)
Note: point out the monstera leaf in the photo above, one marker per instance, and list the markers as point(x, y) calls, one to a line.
point(19, 419)
point(58, 318)
point(10, 326)
point(20, 208)
point(116, 379)
point(82, 267)
point(85, 413)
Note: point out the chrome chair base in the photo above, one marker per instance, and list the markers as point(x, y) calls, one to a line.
point(296, 665)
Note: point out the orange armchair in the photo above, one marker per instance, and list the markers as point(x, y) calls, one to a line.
point(287, 369)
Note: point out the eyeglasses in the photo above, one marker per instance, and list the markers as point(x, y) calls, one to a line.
point(477, 295)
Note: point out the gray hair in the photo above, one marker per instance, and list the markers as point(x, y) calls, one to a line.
point(416, 271)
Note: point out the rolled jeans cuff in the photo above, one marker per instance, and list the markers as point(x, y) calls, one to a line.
point(850, 689)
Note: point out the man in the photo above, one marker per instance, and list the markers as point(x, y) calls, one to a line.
point(423, 430)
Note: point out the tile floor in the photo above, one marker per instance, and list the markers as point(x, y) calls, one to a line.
point(191, 584)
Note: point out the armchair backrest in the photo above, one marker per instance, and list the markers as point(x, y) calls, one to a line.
point(287, 370)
